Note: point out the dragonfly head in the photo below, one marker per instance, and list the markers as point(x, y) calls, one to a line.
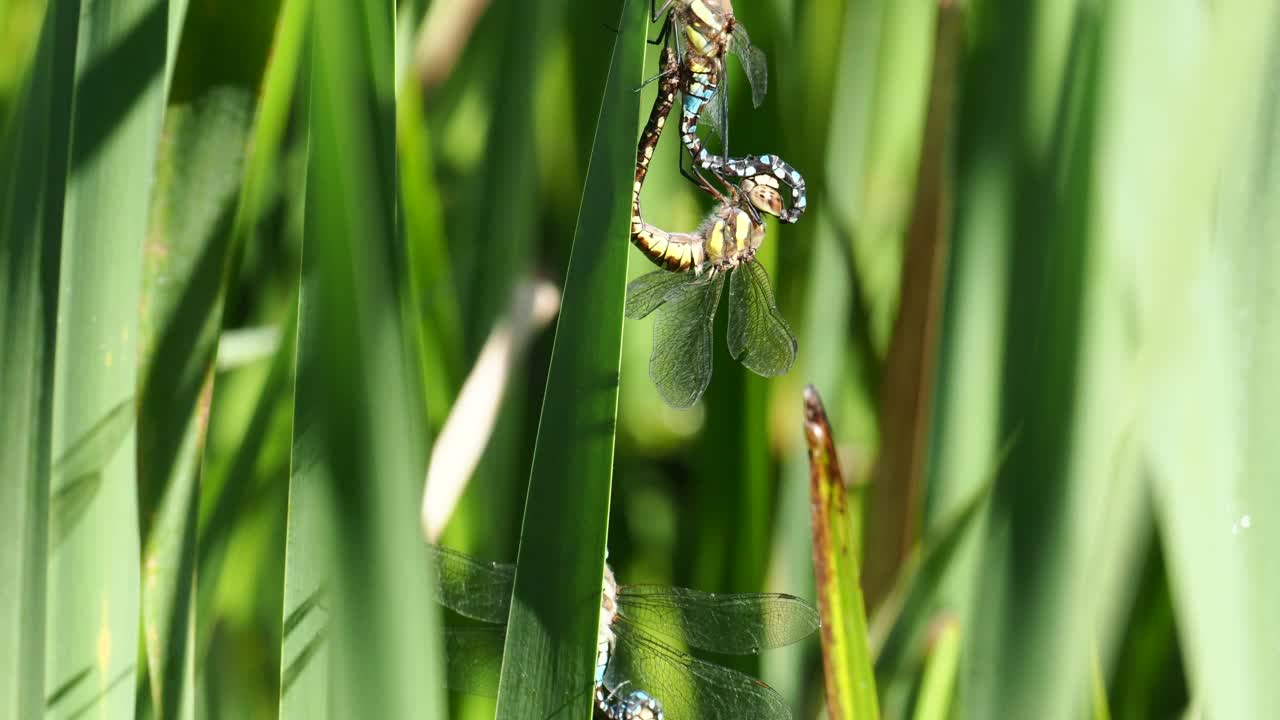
point(763, 192)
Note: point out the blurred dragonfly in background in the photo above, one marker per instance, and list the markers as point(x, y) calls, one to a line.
point(642, 630)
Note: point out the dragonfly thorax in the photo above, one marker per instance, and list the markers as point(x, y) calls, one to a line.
point(732, 236)
point(708, 25)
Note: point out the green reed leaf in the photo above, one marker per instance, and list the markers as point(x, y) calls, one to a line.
point(551, 637)
point(846, 657)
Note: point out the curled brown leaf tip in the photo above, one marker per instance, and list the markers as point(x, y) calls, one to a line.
point(815, 419)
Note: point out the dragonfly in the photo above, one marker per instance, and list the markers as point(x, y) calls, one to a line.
point(686, 292)
point(704, 32)
point(693, 251)
point(643, 629)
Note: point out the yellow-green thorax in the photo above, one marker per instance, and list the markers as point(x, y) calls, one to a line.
point(732, 236)
point(708, 26)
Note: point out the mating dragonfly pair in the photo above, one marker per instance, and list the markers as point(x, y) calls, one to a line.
point(640, 672)
point(686, 292)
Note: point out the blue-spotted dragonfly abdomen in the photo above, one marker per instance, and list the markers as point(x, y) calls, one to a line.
point(704, 32)
point(646, 629)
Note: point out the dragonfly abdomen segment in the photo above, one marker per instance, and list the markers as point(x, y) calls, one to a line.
point(709, 28)
point(677, 252)
point(697, 93)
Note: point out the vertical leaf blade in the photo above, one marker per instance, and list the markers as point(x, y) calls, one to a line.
point(33, 156)
point(184, 285)
point(551, 637)
point(938, 683)
point(846, 657)
point(94, 576)
point(906, 396)
point(358, 574)
point(1208, 227)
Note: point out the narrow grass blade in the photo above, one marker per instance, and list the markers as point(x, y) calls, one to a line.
point(837, 352)
point(506, 171)
point(898, 630)
point(33, 157)
point(430, 276)
point(94, 576)
point(185, 274)
point(228, 493)
point(825, 361)
point(551, 637)
point(846, 660)
point(1100, 710)
point(906, 395)
point(278, 99)
point(360, 635)
point(1020, 357)
point(941, 667)
point(193, 238)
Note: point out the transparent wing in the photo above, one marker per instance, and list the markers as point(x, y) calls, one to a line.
point(753, 62)
point(473, 659)
point(647, 292)
point(717, 112)
point(733, 623)
point(719, 115)
point(470, 587)
point(759, 337)
point(680, 364)
point(686, 686)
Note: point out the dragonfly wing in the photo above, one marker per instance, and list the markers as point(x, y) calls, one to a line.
point(717, 113)
point(687, 687)
point(473, 659)
point(470, 587)
point(720, 117)
point(733, 623)
point(759, 336)
point(753, 62)
point(647, 292)
point(680, 364)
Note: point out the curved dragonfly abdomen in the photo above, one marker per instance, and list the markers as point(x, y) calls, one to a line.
point(704, 32)
point(729, 235)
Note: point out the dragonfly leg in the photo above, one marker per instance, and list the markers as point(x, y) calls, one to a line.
point(664, 32)
point(697, 178)
point(655, 11)
point(659, 76)
point(751, 210)
point(740, 199)
point(734, 193)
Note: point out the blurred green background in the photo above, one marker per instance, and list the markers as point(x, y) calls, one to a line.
point(1040, 268)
